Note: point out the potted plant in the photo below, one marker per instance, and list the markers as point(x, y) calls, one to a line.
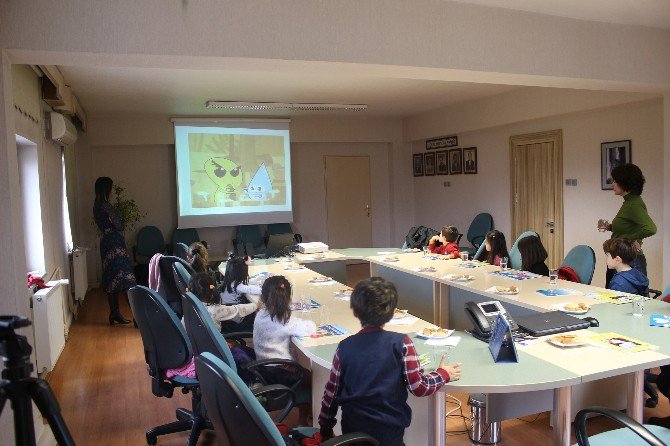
point(126, 208)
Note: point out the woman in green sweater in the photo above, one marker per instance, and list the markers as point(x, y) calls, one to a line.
point(632, 222)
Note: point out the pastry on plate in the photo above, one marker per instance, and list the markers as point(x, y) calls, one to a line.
point(507, 289)
point(566, 339)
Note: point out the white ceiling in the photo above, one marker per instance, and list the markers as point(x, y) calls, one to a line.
point(184, 92)
point(652, 13)
point(109, 90)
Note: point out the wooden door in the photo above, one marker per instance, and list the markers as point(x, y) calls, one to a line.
point(348, 204)
point(537, 189)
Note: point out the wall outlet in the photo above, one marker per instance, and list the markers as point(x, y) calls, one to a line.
point(447, 184)
point(571, 182)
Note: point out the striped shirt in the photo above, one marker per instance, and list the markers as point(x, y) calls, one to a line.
point(415, 380)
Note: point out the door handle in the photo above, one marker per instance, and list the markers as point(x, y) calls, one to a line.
point(367, 208)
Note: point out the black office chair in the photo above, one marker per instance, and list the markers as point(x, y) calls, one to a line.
point(283, 228)
point(238, 416)
point(249, 241)
point(167, 287)
point(205, 337)
point(166, 346)
point(630, 434)
point(180, 250)
point(182, 276)
point(150, 241)
point(185, 236)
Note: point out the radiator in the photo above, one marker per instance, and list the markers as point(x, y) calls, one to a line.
point(80, 273)
point(49, 306)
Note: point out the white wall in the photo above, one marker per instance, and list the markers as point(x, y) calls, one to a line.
point(489, 190)
point(138, 153)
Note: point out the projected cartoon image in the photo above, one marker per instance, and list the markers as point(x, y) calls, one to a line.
point(231, 170)
point(226, 175)
point(260, 185)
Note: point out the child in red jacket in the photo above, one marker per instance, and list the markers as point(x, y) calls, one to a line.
point(445, 243)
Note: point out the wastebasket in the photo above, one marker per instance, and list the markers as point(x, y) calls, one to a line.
point(482, 431)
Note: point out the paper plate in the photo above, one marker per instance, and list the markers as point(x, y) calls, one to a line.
point(400, 316)
point(579, 343)
point(459, 277)
point(421, 335)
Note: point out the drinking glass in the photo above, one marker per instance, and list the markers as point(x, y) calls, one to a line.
point(638, 305)
point(304, 303)
point(426, 251)
point(438, 352)
point(553, 277)
point(465, 256)
point(503, 263)
point(324, 315)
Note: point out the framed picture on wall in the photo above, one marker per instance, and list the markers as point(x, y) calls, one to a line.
point(612, 154)
point(470, 160)
point(455, 161)
point(442, 162)
point(417, 164)
point(429, 164)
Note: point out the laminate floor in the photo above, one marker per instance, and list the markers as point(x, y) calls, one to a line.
point(104, 391)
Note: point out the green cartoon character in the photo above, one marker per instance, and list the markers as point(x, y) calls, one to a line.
point(226, 174)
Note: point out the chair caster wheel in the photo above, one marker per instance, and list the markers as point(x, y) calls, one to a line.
point(152, 439)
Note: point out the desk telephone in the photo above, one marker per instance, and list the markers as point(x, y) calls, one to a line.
point(484, 314)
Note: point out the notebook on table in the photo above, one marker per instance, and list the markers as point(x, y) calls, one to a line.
point(541, 324)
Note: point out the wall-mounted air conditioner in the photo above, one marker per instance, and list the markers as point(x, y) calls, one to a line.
point(62, 129)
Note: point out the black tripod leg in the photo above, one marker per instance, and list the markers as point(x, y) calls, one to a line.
point(15, 392)
point(46, 402)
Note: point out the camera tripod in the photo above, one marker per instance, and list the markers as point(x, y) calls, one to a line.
point(20, 388)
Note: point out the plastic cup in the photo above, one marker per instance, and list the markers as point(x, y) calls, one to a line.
point(503, 263)
point(324, 315)
point(438, 352)
point(465, 256)
point(638, 306)
point(553, 277)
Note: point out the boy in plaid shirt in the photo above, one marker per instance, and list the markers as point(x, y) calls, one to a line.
point(374, 369)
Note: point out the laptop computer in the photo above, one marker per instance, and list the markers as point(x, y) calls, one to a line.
point(542, 324)
point(279, 245)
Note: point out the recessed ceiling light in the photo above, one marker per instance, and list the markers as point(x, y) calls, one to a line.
point(283, 106)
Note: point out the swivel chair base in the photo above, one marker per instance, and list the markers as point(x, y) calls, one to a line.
point(186, 421)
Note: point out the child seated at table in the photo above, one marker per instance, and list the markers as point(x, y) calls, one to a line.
point(235, 289)
point(619, 253)
point(496, 248)
point(273, 329)
point(374, 369)
point(533, 255)
point(445, 242)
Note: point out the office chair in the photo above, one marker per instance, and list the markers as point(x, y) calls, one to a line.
point(582, 259)
point(205, 337)
point(479, 227)
point(185, 236)
point(283, 228)
point(182, 276)
point(249, 241)
point(514, 254)
point(180, 250)
point(238, 416)
point(630, 434)
point(166, 346)
point(150, 241)
point(167, 287)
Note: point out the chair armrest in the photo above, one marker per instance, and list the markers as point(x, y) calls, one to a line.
point(281, 390)
point(352, 437)
point(637, 428)
point(654, 293)
point(253, 366)
point(238, 336)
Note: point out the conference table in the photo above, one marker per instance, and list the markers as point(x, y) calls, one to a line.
point(544, 378)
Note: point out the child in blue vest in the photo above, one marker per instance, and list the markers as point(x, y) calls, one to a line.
point(373, 370)
point(619, 253)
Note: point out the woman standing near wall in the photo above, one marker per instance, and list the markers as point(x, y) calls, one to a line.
point(632, 222)
point(117, 272)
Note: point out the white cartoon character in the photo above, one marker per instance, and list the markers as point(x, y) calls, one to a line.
point(260, 185)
